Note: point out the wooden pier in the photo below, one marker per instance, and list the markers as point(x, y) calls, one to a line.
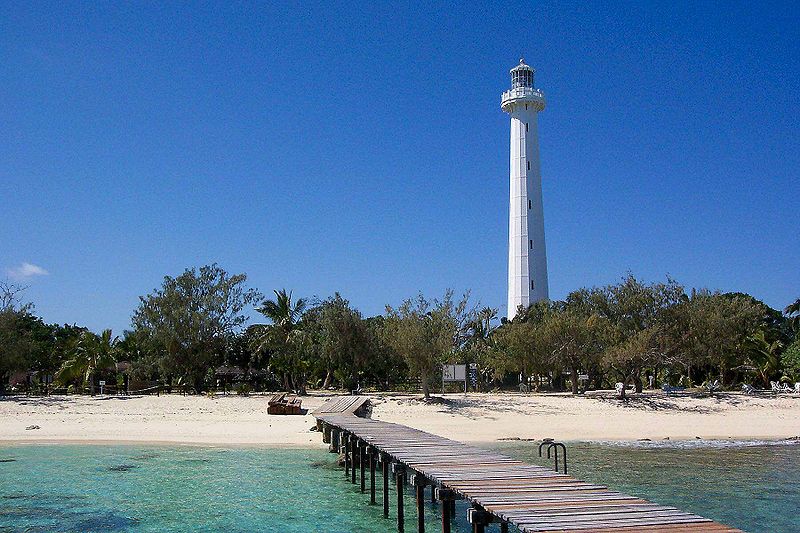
point(498, 488)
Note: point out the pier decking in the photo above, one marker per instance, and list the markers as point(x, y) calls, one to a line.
point(499, 488)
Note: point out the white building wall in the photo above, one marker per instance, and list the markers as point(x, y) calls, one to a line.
point(527, 256)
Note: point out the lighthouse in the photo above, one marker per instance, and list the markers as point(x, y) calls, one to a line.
point(527, 257)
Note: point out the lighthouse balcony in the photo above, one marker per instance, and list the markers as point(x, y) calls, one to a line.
point(523, 95)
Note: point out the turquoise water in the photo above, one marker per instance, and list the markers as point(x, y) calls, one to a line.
point(162, 488)
point(146, 488)
point(753, 487)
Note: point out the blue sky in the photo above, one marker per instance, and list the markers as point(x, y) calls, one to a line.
point(361, 149)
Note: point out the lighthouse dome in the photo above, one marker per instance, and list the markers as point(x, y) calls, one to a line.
point(521, 75)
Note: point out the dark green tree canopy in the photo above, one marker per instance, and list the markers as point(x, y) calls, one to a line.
point(189, 319)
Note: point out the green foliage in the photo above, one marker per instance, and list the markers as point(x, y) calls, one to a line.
point(790, 360)
point(92, 353)
point(243, 389)
point(283, 341)
point(793, 313)
point(763, 356)
point(186, 323)
point(426, 333)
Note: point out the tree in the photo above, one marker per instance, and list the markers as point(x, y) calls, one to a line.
point(189, 320)
point(790, 360)
point(426, 333)
point(344, 340)
point(91, 354)
point(573, 339)
point(519, 345)
point(793, 312)
point(16, 342)
point(717, 327)
point(763, 355)
point(283, 340)
point(634, 318)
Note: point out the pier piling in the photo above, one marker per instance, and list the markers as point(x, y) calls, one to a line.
point(362, 463)
point(372, 452)
point(353, 459)
point(400, 478)
point(385, 467)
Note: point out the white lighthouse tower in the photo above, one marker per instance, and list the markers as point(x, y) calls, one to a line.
point(527, 258)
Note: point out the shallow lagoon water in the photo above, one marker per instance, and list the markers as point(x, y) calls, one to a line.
point(185, 488)
point(181, 488)
point(752, 486)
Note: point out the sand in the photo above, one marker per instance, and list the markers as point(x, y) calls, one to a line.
point(479, 418)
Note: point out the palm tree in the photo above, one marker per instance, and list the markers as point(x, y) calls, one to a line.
point(764, 355)
point(793, 311)
point(90, 354)
point(282, 336)
point(281, 311)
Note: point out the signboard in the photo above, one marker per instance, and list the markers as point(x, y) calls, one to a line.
point(454, 372)
point(102, 382)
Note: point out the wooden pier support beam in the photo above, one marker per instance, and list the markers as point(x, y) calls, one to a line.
point(345, 445)
point(504, 527)
point(335, 446)
point(419, 483)
point(353, 442)
point(448, 499)
point(362, 464)
point(479, 519)
point(399, 473)
point(385, 466)
point(372, 452)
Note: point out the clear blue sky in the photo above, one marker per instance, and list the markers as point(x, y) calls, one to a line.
point(362, 149)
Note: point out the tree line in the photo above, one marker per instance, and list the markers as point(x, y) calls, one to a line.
point(192, 333)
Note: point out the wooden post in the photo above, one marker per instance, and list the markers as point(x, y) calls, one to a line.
point(372, 476)
point(335, 446)
point(353, 456)
point(446, 497)
point(419, 484)
point(503, 527)
point(346, 440)
point(433, 493)
point(385, 465)
point(362, 463)
point(400, 476)
point(445, 517)
point(479, 518)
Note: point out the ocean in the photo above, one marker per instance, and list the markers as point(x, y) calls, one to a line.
point(135, 488)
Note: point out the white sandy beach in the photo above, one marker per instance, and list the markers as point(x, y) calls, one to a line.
point(480, 418)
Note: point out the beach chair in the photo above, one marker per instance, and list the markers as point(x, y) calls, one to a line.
point(669, 389)
point(748, 389)
point(293, 406)
point(797, 388)
point(786, 388)
point(776, 387)
point(276, 404)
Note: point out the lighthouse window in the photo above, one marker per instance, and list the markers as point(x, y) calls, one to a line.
point(526, 126)
point(529, 204)
point(529, 165)
point(531, 284)
point(531, 243)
